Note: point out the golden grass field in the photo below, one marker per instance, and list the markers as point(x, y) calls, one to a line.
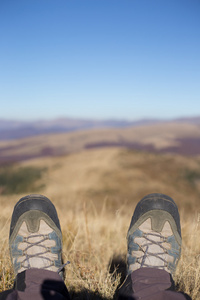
point(95, 193)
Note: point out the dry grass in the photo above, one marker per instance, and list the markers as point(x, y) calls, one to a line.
point(188, 273)
point(95, 193)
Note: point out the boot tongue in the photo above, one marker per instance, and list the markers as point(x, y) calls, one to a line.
point(37, 247)
point(153, 243)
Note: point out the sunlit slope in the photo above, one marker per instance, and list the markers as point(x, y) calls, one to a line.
point(119, 176)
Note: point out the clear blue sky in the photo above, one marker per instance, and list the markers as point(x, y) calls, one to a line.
point(124, 59)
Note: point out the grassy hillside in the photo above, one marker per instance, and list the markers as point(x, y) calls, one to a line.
point(95, 193)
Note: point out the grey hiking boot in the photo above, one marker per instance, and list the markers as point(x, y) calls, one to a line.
point(35, 235)
point(154, 235)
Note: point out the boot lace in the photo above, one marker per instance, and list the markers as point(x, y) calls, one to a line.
point(145, 248)
point(25, 263)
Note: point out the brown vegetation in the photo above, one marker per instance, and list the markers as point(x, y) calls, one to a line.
point(95, 193)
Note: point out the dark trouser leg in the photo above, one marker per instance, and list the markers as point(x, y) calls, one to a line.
point(37, 284)
point(150, 284)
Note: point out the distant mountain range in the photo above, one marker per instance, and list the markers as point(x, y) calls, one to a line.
point(27, 140)
point(13, 129)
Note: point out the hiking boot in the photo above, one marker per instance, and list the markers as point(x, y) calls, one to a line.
point(154, 235)
point(35, 235)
